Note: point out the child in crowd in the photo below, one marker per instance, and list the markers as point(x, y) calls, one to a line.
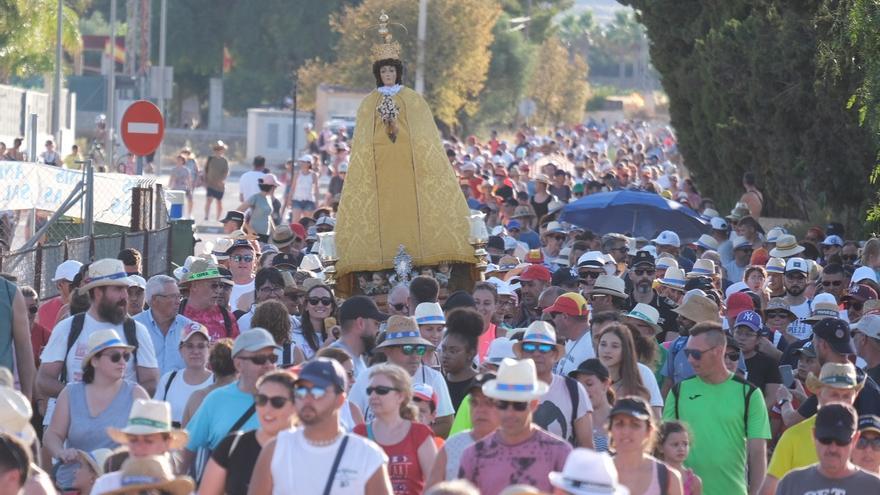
point(673, 446)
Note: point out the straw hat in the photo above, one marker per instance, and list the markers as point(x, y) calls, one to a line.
point(516, 381)
point(539, 332)
point(140, 474)
point(102, 340)
point(146, 418)
point(824, 306)
point(646, 314)
point(522, 212)
point(835, 375)
point(282, 236)
point(94, 459)
point(786, 246)
point(665, 262)
point(674, 279)
point(201, 269)
point(702, 268)
point(698, 308)
point(610, 286)
point(15, 415)
point(776, 303)
point(707, 242)
point(402, 330)
point(105, 272)
point(429, 313)
point(775, 265)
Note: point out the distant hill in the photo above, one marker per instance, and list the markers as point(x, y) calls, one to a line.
point(603, 10)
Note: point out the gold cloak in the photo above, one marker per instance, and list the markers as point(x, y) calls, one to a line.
point(400, 193)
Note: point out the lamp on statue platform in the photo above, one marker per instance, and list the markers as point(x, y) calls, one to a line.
point(478, 238)
point(327, 254)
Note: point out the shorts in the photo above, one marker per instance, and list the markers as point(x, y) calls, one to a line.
point(214, 193)
point(304, 205)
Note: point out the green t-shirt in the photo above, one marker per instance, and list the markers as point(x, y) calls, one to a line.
point(715, 416)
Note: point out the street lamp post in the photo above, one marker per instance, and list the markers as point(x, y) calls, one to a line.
point(293, 137)
point(56, 87)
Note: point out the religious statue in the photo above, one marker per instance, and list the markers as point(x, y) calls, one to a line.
point(400, 190)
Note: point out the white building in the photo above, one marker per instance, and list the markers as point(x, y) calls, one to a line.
point(270, 133)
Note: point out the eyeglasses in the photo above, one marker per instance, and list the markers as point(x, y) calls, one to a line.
point(260, 359)
point(277, 401)
point(33, 309)
point(834, 283)
point(855, 305)
point(529, 348)
point(835, 441)
point(201, 346)
point(864, 443)
point(697, 354)
point(380, 390)
point(502, 405)
point(326, 301)
point(315, 392)
point(642, 273)
point(176, 296)
point(271, 289)
point(399, 306)
point(410, 349)
point(732, 356)
point(116, 356)
point(238, 258)
point(777, 314)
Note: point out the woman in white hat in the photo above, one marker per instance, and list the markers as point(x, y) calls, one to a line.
point(102, 399)
point(432, 323)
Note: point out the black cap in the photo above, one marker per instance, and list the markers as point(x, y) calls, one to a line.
point(806, 350)
point(642, 258)
point(702, 283)
point(593, 367)
point(459, 299)
point(233, 216)
point(323, 372)
point(495, 242)
point(836, 421)
point(836, 332)
point(240, 243)
point(563, 276)
point(285, 260)
point(360, 307)
point(633, 406)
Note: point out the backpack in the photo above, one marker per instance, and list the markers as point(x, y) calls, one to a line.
point(748, 390)
point(76, 327)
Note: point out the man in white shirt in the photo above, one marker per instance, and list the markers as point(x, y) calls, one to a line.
point(359, 320)
point(570, 316)
point(248, 183)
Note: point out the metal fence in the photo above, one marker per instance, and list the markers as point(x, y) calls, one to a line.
point(36, 266)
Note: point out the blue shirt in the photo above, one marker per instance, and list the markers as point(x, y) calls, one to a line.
point(166, 345)
point(531, 238)
point(218, 413)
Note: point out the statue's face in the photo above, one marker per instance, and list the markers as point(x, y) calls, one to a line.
point(388, 74)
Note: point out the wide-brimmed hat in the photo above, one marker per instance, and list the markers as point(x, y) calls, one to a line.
point(147, 417)
point(282, 236)
point(105, 272)
point(94, 459)
point(141, 474)
point(778, 303)
point(516, 381)
point(102, 340)
point(702, 268)
point(587, 472)
point(835, 375)
point(824, 306)
point(403, 330)
point(706, 242)
point(15, 415)
point(645, 313)
point(523, 212)
point(539, 332)
point(201, 269)
point(219, 145)
point(610, 285)
point(698, 308)
point(429, 313)
point(674, 278)
point(786, 246)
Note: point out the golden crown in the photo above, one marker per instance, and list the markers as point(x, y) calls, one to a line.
point(388, 48)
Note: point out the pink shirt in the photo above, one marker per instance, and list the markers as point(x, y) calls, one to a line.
point(493, 465)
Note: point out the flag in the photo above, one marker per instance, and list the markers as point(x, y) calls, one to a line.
point(228, 61)
point(120, 49)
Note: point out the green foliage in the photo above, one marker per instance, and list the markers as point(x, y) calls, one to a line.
point(558, 85)
point(609, 48)
point(28, 37)
point(748, 90)
point(541, 13)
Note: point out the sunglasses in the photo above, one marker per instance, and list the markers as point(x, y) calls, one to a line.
point(116, 356)
point(697, 354)
point(864, 443)
point(855, 305)
point(238, 258)
point(326, 301)
point(777, 314)
point(410, 349)
point(849, 257)
point(835, 441)
point(399, 306)
point(260, 359)
point(592, 275)
point(732, 356)
point(835, 283)
point(502, 405)
point(642, 273)
point(33, 309)
point(277, 401)
point(530, 348)
point(380, 390)
point(315, 392)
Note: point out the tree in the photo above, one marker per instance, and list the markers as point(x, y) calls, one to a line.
point(27, 37)
point(540, 13)
point(558, 85)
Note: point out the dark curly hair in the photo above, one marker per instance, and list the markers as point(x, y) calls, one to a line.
point(397, 64)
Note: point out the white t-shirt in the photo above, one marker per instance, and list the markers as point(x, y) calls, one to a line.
point(237, 291)
point(424, 374)
point(248, 183)
point(650, 383)
point(798, 328)
point(555, 408)
point(576, 352)
point(299, 467)
point(178, 393)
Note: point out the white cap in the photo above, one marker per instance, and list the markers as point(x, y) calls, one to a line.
point(305, 158)
point(863, 273)
point(797, 265)
point(137, 281)
point(594, 258)
point(667, 238)
point(718, 223)
point(734, 288)
point(499, 349)
point(587, 472)
point(468, 166)
point(67, 270)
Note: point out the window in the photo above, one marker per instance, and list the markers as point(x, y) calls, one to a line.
point(272, 135)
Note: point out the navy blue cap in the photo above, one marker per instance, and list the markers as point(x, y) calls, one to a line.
point(323, 372)
point(563, 276)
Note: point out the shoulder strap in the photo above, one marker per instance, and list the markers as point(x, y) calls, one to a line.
point(238, 434)
point(244, 418)
point(76, 326)
point(676, 391)
point(130, 331)
point(286, 357)
point(168, 384)
point(329, 486)
point(226, 323)
point(748, 390)
point(573, 395)
point(662, 478)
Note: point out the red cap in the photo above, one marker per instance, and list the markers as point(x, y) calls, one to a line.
point(298, 229)
point(535, 272)
point(570, 303)
point(861, 293)
point(739, 302)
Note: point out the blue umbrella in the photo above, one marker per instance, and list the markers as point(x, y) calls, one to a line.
point(642, 214)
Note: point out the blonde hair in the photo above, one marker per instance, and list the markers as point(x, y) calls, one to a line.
point(401, 380)
point(871, 250)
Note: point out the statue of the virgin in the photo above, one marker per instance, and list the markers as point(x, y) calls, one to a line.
point(400, 189)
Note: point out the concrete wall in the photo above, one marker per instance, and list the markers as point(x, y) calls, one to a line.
point(16, 105)
point(270, 133)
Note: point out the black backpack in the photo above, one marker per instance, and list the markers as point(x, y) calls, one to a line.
point(76, 327)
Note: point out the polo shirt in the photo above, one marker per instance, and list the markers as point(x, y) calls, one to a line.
point(166, 345)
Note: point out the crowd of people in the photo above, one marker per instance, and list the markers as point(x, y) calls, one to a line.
point(744, 361)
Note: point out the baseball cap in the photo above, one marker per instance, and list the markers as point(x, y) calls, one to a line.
point(864, 273)
point(667, 238)
point(233, 216)
point(718, 223)
point(591, 258)
point(563, 276)
point(631, 406)
point(869, 422)
point(739, 302)
point(253, 340)
point(642, 258)
point(860, 292)
point(806, 350)
point(285, 260)
point(298, 229)
point(424, 392)
point(323, 372)
point(833, 240)
point(194, 328)
point(67, 271)
point(360, 307)
point(495, 242)
point(750, 320)
point(534, 272)
point(513, 224)
point(836, 421)
point(869, 325)
point(797, 265)
point(593, 367)
point(836, 332)
point(570, 303)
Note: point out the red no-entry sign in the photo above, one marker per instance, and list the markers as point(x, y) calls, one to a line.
point(142, 127)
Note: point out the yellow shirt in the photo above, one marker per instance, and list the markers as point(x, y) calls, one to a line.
point(794, 450)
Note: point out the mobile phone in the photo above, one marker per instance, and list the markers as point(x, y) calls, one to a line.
point(787, 375)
